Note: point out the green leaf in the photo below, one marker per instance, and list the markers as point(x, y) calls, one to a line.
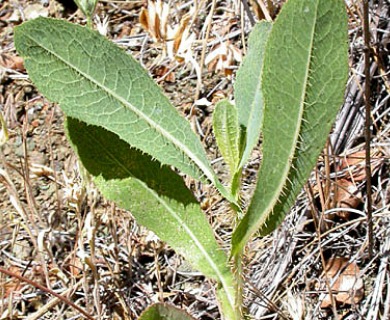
point(156, 196)
point(96, 82)
point(227, 133)
point(247, 89)
point(305, 72)
point(162, 311)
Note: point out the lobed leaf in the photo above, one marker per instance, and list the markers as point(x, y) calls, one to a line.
point(96, 82)
point(305, 72)
point(247, 89)
point(156, 196)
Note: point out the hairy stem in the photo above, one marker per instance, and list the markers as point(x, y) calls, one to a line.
point(239, 276)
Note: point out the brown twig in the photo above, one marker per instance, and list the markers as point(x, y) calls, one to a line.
point(53, 302)
point(47, 290)
point(265, 11)
point(248, 12)
point(367, 93)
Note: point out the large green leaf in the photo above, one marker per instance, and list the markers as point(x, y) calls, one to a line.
point(305, 72)
point(156, 196)
point(247, 89)
point(96, 82)
point(160, 311)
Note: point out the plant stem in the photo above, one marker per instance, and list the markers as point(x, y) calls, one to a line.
point(237, 259)
point(238, 272)
point(89, 22)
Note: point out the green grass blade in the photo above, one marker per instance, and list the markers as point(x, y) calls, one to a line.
point(227, 133)
point(95, 81)
point(305, 72)
point(247, 89)
point(156, 196)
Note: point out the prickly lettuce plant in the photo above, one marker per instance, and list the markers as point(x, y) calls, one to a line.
point(128, 135)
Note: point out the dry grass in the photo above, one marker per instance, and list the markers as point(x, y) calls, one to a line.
point(58, 236)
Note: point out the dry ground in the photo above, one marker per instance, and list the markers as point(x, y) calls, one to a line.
point(56, 230)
